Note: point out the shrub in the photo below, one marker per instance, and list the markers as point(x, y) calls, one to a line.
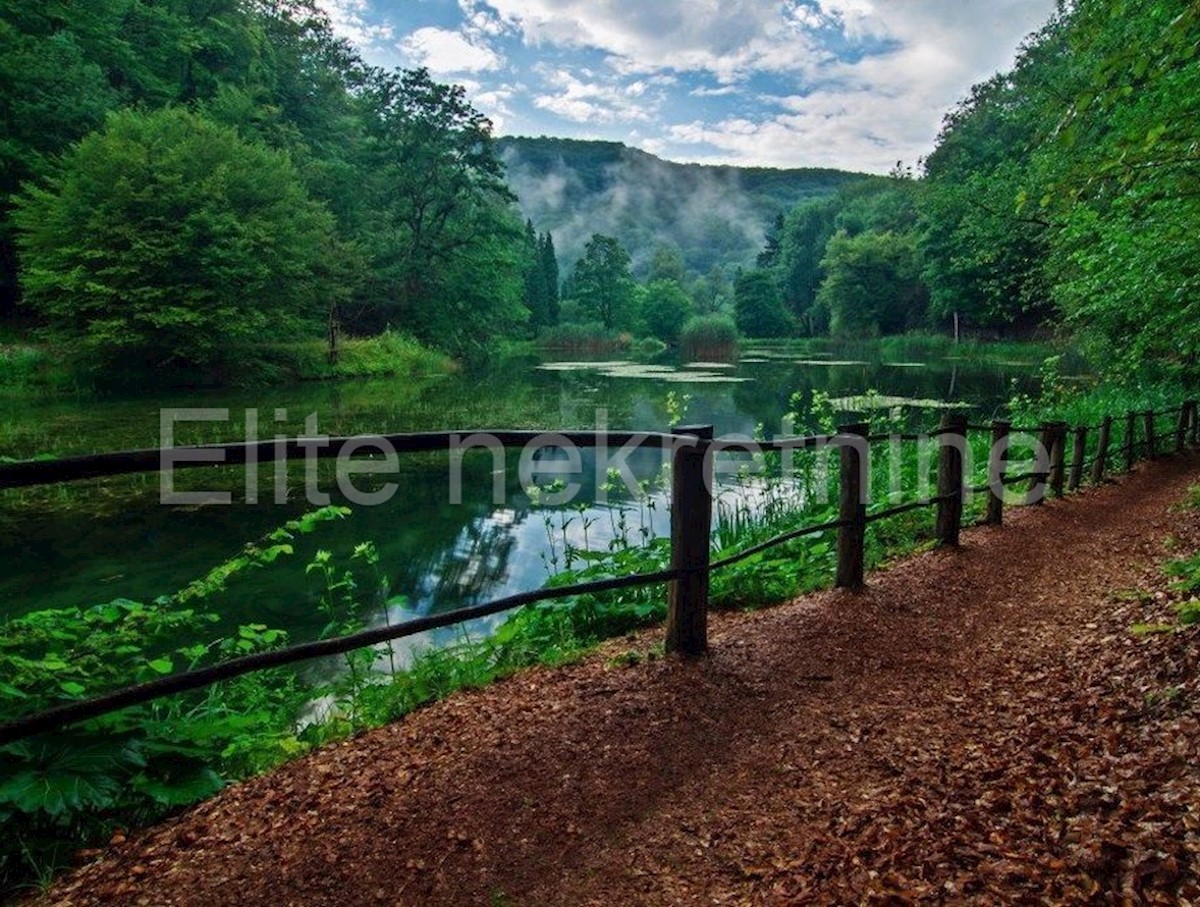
point(709, 337)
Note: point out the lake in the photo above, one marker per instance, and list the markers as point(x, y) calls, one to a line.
point(92, 542)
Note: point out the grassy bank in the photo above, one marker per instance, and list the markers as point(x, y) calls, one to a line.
point(32, 370)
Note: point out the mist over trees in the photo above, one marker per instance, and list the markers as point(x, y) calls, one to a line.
point(711, 216)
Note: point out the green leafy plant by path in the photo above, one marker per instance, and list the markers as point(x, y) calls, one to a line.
point(67, 789)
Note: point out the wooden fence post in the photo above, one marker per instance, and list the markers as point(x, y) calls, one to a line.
point(950, 478)
point(1130, 438)
point(997, 459)
point(1058, 459)
point(1151, 436)
point(1078, 454)
point(854, 457)
point(1182, 427)
point(691, 530)
point(1041, 479)
point(1102, 451)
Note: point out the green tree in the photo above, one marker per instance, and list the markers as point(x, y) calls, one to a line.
point(667, 264)
point(441, 227)
point(712, 292)
point(759, 306)
point(1123, 183)
point(169, 238)
point(549, 268)
point(773, 244)
point(873, 284)
point(807, 229)
point(665, 309)
point(602, 284)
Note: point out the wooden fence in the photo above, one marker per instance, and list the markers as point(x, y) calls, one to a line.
point(692, 449)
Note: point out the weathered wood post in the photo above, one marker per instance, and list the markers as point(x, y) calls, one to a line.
point(855, 462)
point(952, 440)
point(1058, 459)
point(1102, 450)
point(1043, 467)
point(691, 527)
point(997, 460)
point(1182, 427)
point(1130, 439)
point(1078, 453)
point(1151, 436)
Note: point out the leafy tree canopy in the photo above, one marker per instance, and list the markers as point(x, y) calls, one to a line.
point(167, 236)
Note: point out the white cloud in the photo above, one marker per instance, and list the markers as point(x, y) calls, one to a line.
point(348, 19)
point(862, 113)
point(494, 104)
point(850, 83)
point(444, 51)
point(728, 38)
point(594, 101)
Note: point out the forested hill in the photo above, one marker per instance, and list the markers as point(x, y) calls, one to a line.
point(717, 216)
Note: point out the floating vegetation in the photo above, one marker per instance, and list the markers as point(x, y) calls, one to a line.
point(831, 363)
point(579, 366)
point(866, 402)
point(693, 373)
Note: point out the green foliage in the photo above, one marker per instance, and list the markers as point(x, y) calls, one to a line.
point(759, 306)
point(873, 284)
point(164, 234)
point(541, 279)
point(574, 337)
point(67, 789)
point(446, 251)
point(708, 338)
point(667, 264)
point(665, 307)
point(602, 284)
point(806, 232)
point(387, 354)
point(1071, 181)
point(179, 251)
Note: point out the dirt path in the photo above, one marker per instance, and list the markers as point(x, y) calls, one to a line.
point(990, 734)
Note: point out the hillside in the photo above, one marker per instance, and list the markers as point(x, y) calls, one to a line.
point(715, 215)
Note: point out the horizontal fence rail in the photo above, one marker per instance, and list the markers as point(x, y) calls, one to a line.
point(692, 448)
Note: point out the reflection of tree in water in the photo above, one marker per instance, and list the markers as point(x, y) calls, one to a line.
point(476, 564)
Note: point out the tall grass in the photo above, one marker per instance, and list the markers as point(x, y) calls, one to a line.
point(591, 338)
point(709, 337)
point(386, 355)
point(26, 369)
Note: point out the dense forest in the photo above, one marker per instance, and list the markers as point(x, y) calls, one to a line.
point(184, 183)
point(1060, 194)
point(182, 180)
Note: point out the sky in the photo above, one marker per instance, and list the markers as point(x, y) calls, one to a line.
point(852, 84)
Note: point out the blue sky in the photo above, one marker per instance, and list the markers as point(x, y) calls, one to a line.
point(856, 84)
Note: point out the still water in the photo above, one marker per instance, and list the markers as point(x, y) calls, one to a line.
point(93, 542)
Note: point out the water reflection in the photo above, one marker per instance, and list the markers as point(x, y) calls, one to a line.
point(97, 543)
